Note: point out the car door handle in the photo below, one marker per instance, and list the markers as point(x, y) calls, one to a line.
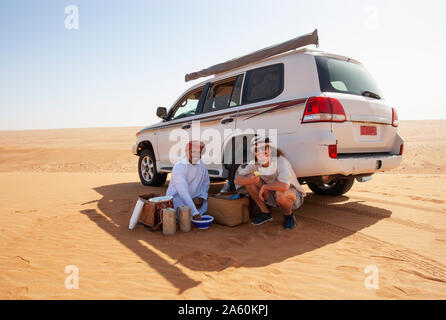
point(185, 126)
point(225, 120)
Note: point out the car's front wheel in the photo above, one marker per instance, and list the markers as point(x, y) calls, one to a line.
point(148, 174)
point(333, 188)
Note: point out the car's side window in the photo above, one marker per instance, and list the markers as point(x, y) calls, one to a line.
point(187, 106)
point(224, 94)
point(263, 83)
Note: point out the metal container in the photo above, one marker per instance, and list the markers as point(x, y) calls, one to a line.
point(184, 217)
point(169, 221)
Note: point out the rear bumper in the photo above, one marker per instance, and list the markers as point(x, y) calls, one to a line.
point(347, 165)
point(311, 158)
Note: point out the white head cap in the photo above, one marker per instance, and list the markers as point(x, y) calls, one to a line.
point(260, 141)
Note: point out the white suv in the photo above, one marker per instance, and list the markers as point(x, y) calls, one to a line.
point(332, 122)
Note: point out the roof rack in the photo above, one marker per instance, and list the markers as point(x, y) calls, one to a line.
point(307, 39)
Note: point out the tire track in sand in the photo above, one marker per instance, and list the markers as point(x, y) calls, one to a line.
point(432, 269)
point(400, 204)
point(373, 214)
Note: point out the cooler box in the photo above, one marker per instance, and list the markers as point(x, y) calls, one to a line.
point(150, 214)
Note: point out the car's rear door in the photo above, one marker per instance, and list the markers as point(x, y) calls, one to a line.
point(217, 119)
point(368, 126)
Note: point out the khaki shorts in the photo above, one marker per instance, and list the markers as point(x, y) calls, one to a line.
point(271, 201)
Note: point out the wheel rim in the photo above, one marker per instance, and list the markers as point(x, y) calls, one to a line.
point(326, 186)
point(147, 168)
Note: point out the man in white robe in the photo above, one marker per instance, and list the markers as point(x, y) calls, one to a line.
point(189, 183)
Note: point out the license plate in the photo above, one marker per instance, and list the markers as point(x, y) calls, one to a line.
point(368, 130)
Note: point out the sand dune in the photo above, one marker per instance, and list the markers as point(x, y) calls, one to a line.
point(66, 197)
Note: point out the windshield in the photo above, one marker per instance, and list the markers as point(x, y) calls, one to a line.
point(346, 77)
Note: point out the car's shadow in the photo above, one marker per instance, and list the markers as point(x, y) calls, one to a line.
point(319, 222)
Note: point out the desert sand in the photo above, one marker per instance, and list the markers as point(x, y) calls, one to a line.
point(66, 197)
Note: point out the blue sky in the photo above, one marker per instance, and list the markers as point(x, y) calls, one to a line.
point(129, 57)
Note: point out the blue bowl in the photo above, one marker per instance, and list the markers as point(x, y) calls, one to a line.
point(204, 223)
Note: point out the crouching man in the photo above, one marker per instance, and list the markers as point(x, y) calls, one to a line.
point(270, 181)
point(189, 182)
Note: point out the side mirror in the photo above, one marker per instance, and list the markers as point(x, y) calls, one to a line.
point(161, 112)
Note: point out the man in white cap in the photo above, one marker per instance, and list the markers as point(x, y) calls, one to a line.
point(189, 183)
point(271, 181)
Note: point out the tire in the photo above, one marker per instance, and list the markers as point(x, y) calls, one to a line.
point(148, 174)
point(335, 188)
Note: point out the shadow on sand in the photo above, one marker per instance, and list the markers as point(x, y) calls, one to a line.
point(222, 247)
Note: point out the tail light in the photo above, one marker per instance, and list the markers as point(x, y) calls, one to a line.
point(333, 151)
point(401, 149)
point(395, 121)
point(138, 133)
point(319, 109)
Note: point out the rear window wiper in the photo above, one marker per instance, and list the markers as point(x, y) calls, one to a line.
point(370, 94)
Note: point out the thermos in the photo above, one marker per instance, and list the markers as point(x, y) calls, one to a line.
point(169, 221)
point(184, 217)
point(136, 213)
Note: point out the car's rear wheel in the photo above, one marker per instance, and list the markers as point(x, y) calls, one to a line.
point(148, 174)
point(333, 188)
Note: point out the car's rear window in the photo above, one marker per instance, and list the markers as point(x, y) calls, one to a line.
point(342, 76)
